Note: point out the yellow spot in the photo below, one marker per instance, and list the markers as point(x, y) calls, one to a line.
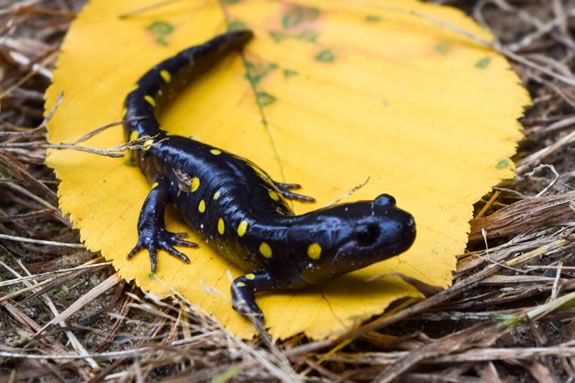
point(124, 111)
point(217, 195)
point(150, 100)
point(166, 75)
point(134, 88)
point(273, 195)
point(314, 250)
point(216, 152)
point(221, 226)
point(195, 184)
point(242, 228)
point(250, 276)
point(147, 144)
point(134, 135)
point(202, 206)
point(266, 250)
point(155, 185)
point(240, 284)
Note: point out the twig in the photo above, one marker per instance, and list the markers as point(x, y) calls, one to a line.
point(349, 192)
point(538, 156)
point(25, 61)
point(555, 290)
point(53, 273)
point(41, 241)
point(101, 129)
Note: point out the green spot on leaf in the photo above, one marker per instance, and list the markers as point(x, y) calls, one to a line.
point(503, 164)
point(250, 66)
point(442, 48)
point(299, 14)
point(290, 73)
point(373, 19)
point(255, 73)
point(235, 25)
point(308, 35)
point(326, 56)
point(265, 99)
point(277, 36)
point(160, 30)
point(483, 63)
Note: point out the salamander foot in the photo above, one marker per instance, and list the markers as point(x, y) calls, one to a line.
point(161, 239)
point(243, 294)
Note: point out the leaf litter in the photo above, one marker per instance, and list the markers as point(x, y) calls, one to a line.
point(489, 325)
point(297, 127)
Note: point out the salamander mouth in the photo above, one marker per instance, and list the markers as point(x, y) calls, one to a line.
point(368, 246)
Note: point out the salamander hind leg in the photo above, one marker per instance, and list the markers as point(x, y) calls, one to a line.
point(244, 294)
point(152, 233)
point(287, 193)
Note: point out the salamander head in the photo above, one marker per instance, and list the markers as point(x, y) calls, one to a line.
point(347, 237)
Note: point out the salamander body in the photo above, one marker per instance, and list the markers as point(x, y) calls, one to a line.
point(237, 207)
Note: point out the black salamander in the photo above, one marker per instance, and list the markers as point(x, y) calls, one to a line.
point(237, 207)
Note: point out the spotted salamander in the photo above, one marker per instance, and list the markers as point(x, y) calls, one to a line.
point(236, 207)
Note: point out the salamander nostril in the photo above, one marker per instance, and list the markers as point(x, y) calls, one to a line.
point(367, 235)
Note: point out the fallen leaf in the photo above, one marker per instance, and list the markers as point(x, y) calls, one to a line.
point(328, 94)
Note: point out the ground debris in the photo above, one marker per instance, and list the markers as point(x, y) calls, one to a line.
point(65, 316)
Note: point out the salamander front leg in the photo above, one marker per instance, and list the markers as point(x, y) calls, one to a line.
point(152, 233)
point(244, 294)
point(286, 192)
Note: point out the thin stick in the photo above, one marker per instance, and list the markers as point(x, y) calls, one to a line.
point(53, 273)
point(349, 192)
point(96, 131)
point(41, 241)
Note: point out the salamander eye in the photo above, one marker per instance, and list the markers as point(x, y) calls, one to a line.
point(385, 200)
point(367, 235)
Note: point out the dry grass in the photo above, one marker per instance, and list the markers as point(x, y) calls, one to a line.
point(65, 316)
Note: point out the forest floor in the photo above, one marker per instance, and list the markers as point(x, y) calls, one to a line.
point(508, 316)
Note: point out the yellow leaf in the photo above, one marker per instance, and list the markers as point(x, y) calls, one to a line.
point(328, 94)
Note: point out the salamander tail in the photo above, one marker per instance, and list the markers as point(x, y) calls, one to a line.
point(168, 77)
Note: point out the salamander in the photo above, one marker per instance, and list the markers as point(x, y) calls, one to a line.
point(236, 207)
